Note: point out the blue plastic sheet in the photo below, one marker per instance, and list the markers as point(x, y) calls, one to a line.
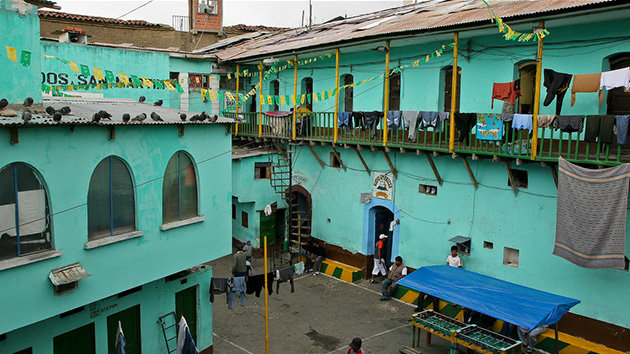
point(516, 304)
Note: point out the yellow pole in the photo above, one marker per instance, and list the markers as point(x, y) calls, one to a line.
point(266, 302)
point(295, 59)
point(335, 123)
point(299, 234)
point(451, 140)
point(260, 91)
point(539, 56)
point(237, 71)
point(386, 98)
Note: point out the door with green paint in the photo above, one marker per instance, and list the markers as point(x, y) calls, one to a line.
point(130, 323)
point(186, 304)
point(80, 340)
point(268, 228)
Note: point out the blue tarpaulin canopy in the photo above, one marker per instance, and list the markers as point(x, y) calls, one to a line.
point(509, 302)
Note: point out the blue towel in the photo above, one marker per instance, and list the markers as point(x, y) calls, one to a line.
point(622, 129)
point(343, 120)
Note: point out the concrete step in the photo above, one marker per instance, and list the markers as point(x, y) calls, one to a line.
point(341, 271)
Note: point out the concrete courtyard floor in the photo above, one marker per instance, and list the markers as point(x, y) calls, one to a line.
point(321, 316)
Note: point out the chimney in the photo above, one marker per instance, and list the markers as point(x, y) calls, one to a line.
point(72, 35)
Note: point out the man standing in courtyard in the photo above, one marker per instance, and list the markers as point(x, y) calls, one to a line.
point(248, 256)
point(239, 272)
point(396, 272)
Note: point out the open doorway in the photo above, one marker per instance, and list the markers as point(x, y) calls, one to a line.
point(301, 210)
point(527, 76)
point(618, 101)
point(447, 85)
point(382, 218)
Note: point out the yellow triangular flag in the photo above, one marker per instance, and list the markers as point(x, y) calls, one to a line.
point(437, 53)
point(124, 78)
point(269, 99)
point(262, 99)
point(145, 82)
point(363, 82)
point(293, 99)
point(427, 59)
point(98, 74)
point(283, 100)
point(12, 54)
point(315, 97)
point(229, 95)
point(74, 67)
point(99, 86)
point(212, 95)
point(168, 85)
point(302, 99)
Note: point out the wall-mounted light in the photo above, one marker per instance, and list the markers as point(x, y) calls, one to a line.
point(381, 48)
point(270, 61)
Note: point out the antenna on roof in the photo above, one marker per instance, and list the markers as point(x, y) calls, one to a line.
point(310, 14)
point(302, 18)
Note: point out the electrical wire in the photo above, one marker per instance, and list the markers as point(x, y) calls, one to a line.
point(137, 8)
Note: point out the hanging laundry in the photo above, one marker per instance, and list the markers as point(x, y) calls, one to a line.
point(622, 123)
point(507, 108)
point(268, 211)
point(298, 268)
point(591, 215)
point(523, 121)
point(120, 340)
point(284, 275)
point(371, 121)
point(343, 120)
point(185, 342)
point(615, 78)
point(442, 116)
point(557, 85)
point(428, 120)
point(489, 127)
point(270, 279)
point(507, 117)
point(394, 119)
point(255, 284)
point(545, 120)
point(358, 118)
point(219, 286)
point(411, 122)
point(599, 127)
point(586, 83)
point(464, 123)
point(506, 91)
point(569, 124)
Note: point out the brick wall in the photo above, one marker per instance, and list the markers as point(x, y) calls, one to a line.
point(204, 22)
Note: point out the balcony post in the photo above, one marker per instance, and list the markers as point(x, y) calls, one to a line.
point(295, 59)
point(335, 123)
point(260, 91)
point(451, 138)
point(237, 74)
point(539, 56)
point(386, 98)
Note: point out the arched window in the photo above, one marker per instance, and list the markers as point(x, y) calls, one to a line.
point(274, 91)
point(111, 202)
point(447, 84)
point(24, 212)
point(307, 89)
point(618, 101)
point(394, 92)
point(346, 95)
point(179, 193)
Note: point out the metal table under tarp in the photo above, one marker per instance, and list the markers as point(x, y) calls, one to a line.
point(516, 304)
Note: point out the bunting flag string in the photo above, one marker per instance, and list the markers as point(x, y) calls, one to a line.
point(512, 35)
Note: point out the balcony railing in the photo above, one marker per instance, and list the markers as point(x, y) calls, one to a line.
point(517, 144)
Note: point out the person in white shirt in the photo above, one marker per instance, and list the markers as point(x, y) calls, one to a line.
point(453, 259)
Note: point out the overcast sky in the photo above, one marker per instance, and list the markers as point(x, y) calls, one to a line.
point(281, 13)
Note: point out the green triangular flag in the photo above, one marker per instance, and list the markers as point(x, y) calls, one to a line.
point(309, 99)
point(179, 88)
point(136, 81)
point(158, 84)
point(26, 58)
point(110, 76)
point(85, 70)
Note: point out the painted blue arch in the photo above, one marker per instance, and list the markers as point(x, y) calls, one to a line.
point(368, 225)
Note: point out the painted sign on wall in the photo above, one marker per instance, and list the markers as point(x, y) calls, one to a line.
point(383, 186)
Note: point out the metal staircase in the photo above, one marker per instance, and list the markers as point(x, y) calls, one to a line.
point(281, 181)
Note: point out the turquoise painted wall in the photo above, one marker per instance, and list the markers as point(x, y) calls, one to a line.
point(490, 213)
point(193, 66)
point(19, 25)
point(155, 299)
point(490, 59)
point(252, 195)
point(131, 62)
point(67, 167)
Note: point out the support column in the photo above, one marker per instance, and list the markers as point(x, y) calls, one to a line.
point(386, 98)
point(336, 94)
point(537, 95)
point(451, 138)
point(260, 92)
point(237, 77)
point(295, 59)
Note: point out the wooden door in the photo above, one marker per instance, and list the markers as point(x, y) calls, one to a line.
point(130, 323)
point(186, 304)
point(80, 340)
point(448, 84)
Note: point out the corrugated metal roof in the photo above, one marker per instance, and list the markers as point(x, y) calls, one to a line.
point(84, 108)
point(425, 16)
point(68, 274)
point(104, 20)
point(252, 28)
